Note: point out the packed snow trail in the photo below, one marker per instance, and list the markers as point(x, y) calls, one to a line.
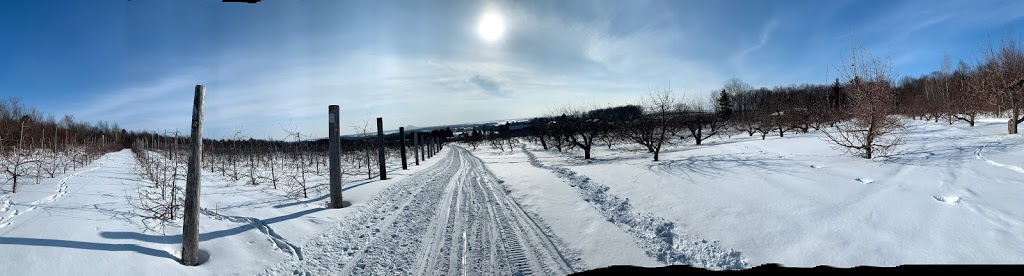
point(453, 218)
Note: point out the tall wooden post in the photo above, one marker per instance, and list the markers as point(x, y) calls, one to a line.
point(334, 155)
point(423, 146)
point(380, 151)
point(190, 233)
point(401, 137)
point(416, 146)
point(430, 147)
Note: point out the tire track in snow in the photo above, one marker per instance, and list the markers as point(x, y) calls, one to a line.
point(452, 218)
point(657, 236)
point(278, 241)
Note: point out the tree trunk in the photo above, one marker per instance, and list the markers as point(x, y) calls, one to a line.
point(1011, 125)
point(698, 137)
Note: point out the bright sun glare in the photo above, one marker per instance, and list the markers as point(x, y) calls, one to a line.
point(491, 27)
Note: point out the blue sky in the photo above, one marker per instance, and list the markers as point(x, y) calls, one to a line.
point(281, 62)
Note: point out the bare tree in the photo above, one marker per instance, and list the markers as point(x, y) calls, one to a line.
point(581, 128)
point(366, 145)
point(653, 129)
point(872, 130)
point(698, 120)
point(1002, 77)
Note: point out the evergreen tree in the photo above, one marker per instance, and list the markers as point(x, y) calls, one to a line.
point(838, 95)
point(724, 104)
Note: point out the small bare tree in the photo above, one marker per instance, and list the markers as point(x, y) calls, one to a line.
point(872, 130)
point(366, 144)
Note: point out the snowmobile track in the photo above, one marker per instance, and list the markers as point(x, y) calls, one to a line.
point(453, 218)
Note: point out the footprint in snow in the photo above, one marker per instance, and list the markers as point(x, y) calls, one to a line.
point(864, 180)
point(947, 199)
point(817, 167)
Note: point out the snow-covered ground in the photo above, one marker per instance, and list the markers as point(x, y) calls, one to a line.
point(952, 194)
point(81, 223)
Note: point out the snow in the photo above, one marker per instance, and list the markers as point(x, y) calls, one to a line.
point(452, 218)
point(83, 222)
point(950, 195)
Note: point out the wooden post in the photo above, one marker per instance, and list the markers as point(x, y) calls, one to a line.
point(380, 151)
point(416, 146)
point(423, 145)
point(430, 147)
point(401, 137)
point(190, 233)
point(334, 155)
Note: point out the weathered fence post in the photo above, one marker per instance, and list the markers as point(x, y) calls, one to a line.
point(334, 155)
point(430, 147)
point(401, 137)
point(380, 151)
point(416, 146)
point(190, 233)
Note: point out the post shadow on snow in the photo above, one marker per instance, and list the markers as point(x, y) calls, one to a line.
point(88, 246)
point(307, 201)
point(172, 239)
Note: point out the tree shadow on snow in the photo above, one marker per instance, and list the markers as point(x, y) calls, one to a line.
point(718, 165)
point(947, 156)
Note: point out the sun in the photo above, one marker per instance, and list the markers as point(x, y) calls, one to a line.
point(491, 27)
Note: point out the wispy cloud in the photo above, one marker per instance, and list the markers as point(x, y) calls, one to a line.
point(763, 38)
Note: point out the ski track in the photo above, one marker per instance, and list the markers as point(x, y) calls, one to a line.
point(62, 188)
point(450, 219)
point(978, 155)
point(657, 236)
point(278, 241)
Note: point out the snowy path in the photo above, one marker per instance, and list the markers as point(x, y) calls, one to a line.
point(6, 204)
point(454, 218)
